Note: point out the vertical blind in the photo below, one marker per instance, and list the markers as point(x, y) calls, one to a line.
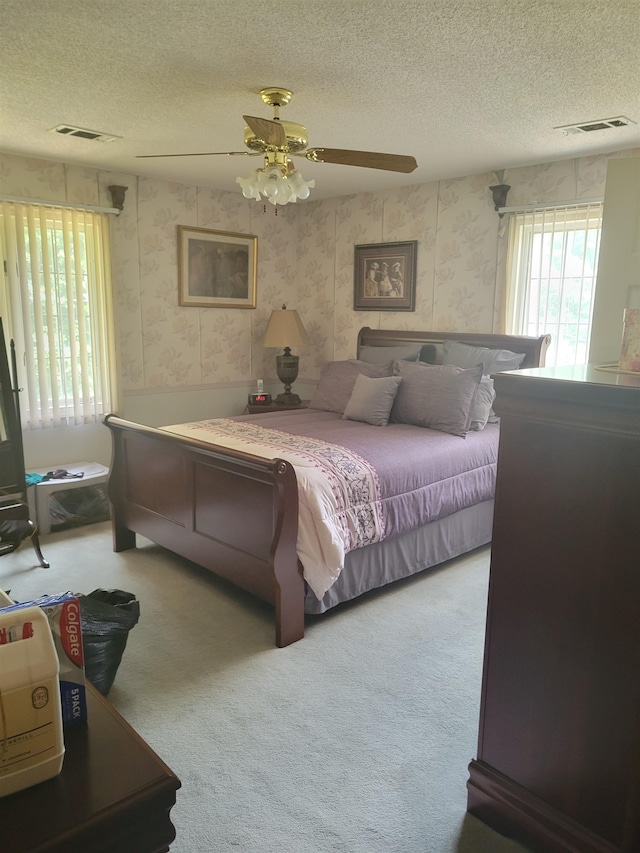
point(552, 261)
point(59, 309)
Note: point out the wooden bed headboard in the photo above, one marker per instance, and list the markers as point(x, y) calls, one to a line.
point(534, 348)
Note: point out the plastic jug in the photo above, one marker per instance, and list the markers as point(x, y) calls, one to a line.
point(31, 737)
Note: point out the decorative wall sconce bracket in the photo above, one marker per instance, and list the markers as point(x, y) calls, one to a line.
point(117, 195)
point(500, 196)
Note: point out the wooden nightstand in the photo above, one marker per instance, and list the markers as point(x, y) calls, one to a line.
point(274, 407)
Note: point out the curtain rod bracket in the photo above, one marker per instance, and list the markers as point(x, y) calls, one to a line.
point(117, 195)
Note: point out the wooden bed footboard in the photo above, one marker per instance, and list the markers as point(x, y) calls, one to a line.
point(232, 513)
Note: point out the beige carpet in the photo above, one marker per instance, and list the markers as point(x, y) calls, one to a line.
point(356, 739)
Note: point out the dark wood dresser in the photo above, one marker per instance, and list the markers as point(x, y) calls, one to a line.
point(558, 763)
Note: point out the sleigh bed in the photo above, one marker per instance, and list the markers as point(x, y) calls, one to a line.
point(241, 496)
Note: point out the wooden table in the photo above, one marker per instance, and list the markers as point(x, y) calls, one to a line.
point(114, 794)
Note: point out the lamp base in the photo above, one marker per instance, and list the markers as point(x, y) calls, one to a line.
point(287, 369)
point(287, 399)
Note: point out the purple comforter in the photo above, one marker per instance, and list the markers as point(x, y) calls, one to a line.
point(423, 474)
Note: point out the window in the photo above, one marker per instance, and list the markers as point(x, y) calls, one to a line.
point(57, 302)
point(552, 263)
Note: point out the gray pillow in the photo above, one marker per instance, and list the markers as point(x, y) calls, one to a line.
point(484, 401)
point(371, 399)
point(336, 383)
point(436, 396)
point(492, 360)
point(382, 355)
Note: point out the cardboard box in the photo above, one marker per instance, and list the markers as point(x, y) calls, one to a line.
point(63, 613)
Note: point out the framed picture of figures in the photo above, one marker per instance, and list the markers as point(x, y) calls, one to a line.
point(216, 269)
point(385, 277)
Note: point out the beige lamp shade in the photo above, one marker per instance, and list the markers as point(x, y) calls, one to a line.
point(285, 329)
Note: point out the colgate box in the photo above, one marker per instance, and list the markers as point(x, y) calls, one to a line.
point(63, 613)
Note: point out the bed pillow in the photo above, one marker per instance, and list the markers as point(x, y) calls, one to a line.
point(371, 399)
point(482, 411)
point(438, 397)
point(383, 355)
point(492, 360)
point(336, 383)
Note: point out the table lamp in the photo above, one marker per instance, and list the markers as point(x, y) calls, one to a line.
point(285, 329)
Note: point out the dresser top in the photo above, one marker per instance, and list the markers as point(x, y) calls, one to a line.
point(582, 395)
point(585, 374)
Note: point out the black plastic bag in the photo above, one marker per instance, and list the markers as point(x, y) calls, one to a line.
point(73, 507)
point(106, 616)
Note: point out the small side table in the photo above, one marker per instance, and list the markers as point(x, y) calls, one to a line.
point(114, 794)
point(274, 407)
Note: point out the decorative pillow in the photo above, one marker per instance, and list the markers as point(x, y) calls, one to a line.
point(481, 411)
point(336, 383)
point(436, 396)
point(492, 360)
point(371, 399)
point(382, 355)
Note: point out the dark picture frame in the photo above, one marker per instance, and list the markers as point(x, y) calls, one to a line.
point(385, 276)
point(216, 269)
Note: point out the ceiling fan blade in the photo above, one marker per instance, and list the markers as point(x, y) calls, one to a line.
point(368, 159)
point(269, 131)
point(202, 154)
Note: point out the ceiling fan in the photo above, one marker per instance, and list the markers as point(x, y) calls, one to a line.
point(277, 141)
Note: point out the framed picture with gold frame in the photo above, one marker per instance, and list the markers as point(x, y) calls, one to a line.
point(216, 269)
point(385, 277)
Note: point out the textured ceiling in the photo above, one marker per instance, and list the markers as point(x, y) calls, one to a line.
point(466, 86)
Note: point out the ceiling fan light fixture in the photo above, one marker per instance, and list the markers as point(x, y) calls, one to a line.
point(273, 186)
point(300, 187)
point(276, 184)
point(250, 186)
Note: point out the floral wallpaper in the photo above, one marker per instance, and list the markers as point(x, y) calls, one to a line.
point(305, 260)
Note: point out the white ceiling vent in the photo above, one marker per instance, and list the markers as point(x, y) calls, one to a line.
point(599, 124)
point(83, 133)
